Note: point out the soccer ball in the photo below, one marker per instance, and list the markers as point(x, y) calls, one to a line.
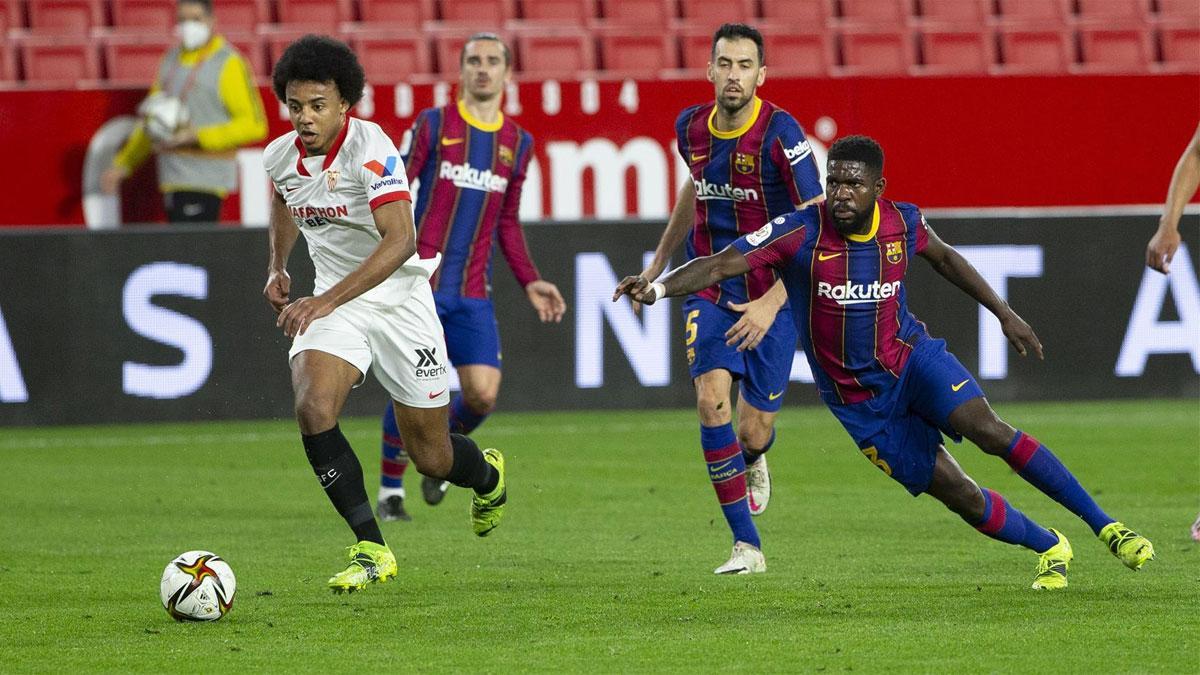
point(162, 115)
point(197, 586)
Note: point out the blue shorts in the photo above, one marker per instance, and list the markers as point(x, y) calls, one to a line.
point(762, 372)
point(472, 336)
point(901, 429)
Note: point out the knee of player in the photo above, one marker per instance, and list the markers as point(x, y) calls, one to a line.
point(713, 410)
point(315, 414)
point(754, 435)
point(481, 402)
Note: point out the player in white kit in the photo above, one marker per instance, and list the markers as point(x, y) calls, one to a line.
point(339, 181)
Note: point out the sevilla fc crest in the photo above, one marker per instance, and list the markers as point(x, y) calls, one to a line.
point(331, 178)
point(894, 251)
point(743, 162)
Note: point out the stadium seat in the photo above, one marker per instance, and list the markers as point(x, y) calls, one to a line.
point(410, 13)
point(555, 52)
point(1180, 46)
point(971, 49)
point(241, 16)
point(253, 50)
point(1107, 10)
point(1120, 49)
point(59, 61)
point(8, 63)
point(959, 12)
point(713, 13)
point(876, 51)
point(631, 52)
point(1170, 10)
point(556, 13)
point(695, 47)
point(65, 17)
point(478, 14)
point(275, 39)
point(808, 14)
point(892, 13)
point(318, 16)
point(133, 60)
point(797, 54)
point(1046, 14)
point(641, 13)
point(1031, 50)
point(143, 15)
point(10, 17)
point(388, 57)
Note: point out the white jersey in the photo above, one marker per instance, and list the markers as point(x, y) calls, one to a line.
point(331, 198)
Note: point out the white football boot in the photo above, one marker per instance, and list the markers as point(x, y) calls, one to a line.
point(746, 559)
point(758, 485)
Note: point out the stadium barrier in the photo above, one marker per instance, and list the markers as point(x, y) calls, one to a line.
point(158, 324)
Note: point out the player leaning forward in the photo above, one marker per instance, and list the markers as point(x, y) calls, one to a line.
point(339, 180)
point(893, 387)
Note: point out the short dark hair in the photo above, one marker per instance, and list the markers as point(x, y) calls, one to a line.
point(739, 31)
point(320, 58)
point(858, 149)
point(206, 4)
point(462, 54)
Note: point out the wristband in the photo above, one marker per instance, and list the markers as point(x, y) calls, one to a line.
point(660, 291)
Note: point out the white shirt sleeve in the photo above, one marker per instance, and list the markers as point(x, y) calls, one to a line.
point(382, 172)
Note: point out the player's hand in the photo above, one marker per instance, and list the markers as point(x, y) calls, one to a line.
point(299, 315)
point(546, 299)
point(757, 318)
point(637, 288)
point(1022, 337)
point(651, 272)
point(279, 283)
point(110, 180)
point(1161, 249)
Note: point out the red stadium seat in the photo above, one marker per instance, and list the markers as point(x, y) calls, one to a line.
point(10, 17)
point(557, 12)
point(65, 17)
point(251, 46)
point(967, 50)
point(318, 16)
point(876, 51)
point(240, 16)
point(631, 52)
point(1169, 10)
point(133, 60)
point(1107, 10)
point(59, 62)
point(1046, 13)
point(959, 12)
point(1031, 50)
point(411, 13)
point(809, 14)
point(876, 12)
point(1115, 49)
point(478, 14)
point(641, 13)
point(1180, 46)
point(797, 54)
point(277, 39)
point(387, 57)
point(696, 47)
point(8, 63)
point(150, 15)
point(713, 13)
point(561, 52)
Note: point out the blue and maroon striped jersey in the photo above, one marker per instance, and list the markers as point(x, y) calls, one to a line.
point(470, 174)
point(847, 294)
point(743, 178)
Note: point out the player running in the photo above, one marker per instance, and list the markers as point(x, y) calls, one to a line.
point(749, 162)
point(895, 388)
point(339, 181)
point(470, 163)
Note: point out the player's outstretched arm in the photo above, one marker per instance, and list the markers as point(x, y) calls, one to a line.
point(683, 217)
point(1161, 249)
point(954, 267)
point(697, 274)
point(282, 235)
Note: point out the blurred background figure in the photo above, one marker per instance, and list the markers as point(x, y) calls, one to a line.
point(202, 107)
point(1165, 241)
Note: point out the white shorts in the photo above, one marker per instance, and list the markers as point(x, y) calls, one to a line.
point(404, 343)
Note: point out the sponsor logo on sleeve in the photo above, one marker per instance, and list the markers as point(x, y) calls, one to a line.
point(385, 169)
point(760, 235)
point(797, 152)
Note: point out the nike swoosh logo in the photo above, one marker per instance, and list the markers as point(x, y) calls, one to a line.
point(823, 257)
point(291, 189)
point(960, 385)
point(433, 395)
point(722, 467)
point(772, 397)
point(697, 158)
point(452, 141)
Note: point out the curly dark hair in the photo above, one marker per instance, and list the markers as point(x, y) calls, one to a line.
point(858, 149)
point(319, 58)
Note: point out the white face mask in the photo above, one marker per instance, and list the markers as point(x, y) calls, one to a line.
point(193, 34)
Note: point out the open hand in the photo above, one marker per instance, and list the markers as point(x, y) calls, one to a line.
point(1021, 336)
point(757, 318)
point(546, 299)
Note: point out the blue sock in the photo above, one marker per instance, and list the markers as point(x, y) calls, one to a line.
point(463, 420)
point(1004, 522)
point(1035, 463)
point(394, 461)
point(727, 471)
point(752, 457)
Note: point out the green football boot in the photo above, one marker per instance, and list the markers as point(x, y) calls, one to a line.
point(1132, 548)
point(369, 563)
point(1052, 565)
point(487, 509)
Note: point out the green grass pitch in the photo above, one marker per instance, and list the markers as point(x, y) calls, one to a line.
point(604, 560)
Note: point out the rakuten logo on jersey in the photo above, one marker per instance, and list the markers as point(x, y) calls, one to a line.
point(798, 152)
point(466, 176)
point(856, 294)
point(706, 191)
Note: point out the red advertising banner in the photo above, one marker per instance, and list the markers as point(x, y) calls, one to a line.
point(606, 148)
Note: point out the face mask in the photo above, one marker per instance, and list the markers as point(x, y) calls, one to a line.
point(193, 34)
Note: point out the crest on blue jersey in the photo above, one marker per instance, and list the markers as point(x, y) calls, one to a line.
point(743, 162)
point(894, 251)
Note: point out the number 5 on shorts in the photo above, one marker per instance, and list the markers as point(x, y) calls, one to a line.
point(692, 330)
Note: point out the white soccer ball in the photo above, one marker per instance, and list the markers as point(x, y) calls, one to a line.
point(163, 115)
point(197, 586)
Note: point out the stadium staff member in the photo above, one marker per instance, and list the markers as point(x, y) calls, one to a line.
point(196, 166)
